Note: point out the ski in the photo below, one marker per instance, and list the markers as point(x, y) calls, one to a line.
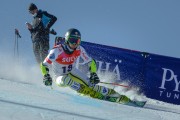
point(126, 101)
point(121, 99)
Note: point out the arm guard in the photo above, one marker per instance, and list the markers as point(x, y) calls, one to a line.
point(44, 69)
point(93, 67)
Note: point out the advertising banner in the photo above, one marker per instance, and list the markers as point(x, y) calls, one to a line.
point(161, 78)
point(156, 75)
point(126, 65)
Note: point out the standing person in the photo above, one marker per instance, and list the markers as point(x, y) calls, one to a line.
point(39, 30)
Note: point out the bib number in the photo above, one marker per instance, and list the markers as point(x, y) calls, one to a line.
point(67, 68)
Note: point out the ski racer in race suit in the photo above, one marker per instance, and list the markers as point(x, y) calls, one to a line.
point(62, 59)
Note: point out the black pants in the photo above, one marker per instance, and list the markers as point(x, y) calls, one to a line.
point(40, 49)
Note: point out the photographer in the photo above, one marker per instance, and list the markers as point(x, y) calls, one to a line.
point(40, 30)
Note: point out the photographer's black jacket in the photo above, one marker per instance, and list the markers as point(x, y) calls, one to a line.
point(41, 25)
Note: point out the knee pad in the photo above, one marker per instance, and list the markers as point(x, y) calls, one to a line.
point(59, 81)
point(64, 81)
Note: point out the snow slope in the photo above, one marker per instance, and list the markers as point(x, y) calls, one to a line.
point(20, 100)
point(23, 96)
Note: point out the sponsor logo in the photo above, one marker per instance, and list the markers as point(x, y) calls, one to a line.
point(75, 86)
point(104, 67)
point(105, 90)
point(169, 77)
point(52, 56)
point(69, 59)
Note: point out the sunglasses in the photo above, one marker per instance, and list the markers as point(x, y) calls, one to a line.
point(74, 40)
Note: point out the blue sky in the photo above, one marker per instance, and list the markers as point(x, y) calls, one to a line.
point(145, 25)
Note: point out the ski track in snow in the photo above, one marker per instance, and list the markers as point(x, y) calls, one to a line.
point(48, 109)
point(38, 102)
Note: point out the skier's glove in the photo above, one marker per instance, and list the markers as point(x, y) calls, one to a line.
point(47, 80)
point(94, 79)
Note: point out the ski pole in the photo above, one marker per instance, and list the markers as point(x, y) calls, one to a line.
point(116, 84)
point(17, 33)
point(16, 47)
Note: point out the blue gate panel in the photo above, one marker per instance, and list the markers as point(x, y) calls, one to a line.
point(130, 63)
point(161, 78)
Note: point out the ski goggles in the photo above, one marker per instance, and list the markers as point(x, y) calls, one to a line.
point(74, 40)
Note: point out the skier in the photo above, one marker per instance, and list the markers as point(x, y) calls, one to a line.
point(62, 60)
point(40, 29)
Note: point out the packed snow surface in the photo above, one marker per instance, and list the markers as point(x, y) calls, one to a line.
point(20, 100)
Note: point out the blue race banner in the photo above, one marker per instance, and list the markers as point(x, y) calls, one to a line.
point(161, 78)
point(126, 65)
point(156, 75)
